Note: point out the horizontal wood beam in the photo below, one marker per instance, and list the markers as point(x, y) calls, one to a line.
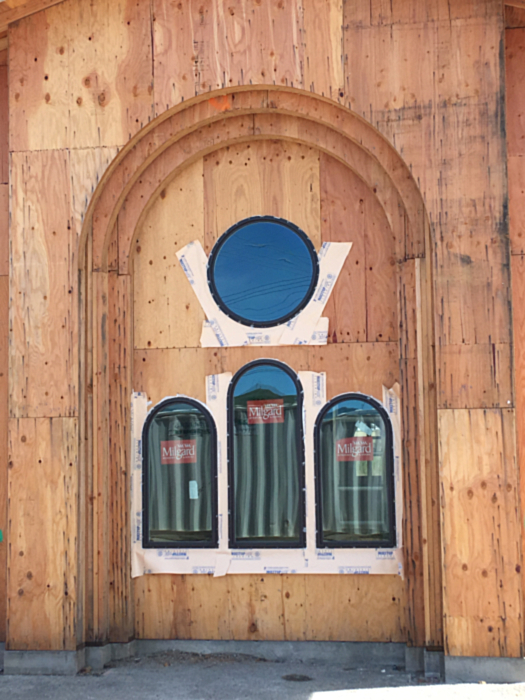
point(11, 10)
point(515, 3)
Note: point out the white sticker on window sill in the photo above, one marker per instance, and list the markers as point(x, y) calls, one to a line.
point(307, 328)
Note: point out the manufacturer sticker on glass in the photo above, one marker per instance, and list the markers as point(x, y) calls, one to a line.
point(355, 449)
point(265, 411)
point(178, 451)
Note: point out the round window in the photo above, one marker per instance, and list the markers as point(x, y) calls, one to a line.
point(263, 271)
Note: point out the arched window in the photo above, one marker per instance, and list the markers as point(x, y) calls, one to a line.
point(266, 457)
point(179, 476)
point(354, 468)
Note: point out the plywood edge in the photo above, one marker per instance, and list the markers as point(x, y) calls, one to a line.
point(10, 15)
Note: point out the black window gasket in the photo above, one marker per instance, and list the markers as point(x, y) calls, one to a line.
point(258, 544)
point(216, 250)
point(389, 451)
point(213, 543)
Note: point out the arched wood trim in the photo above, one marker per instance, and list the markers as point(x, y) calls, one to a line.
point(131, 183)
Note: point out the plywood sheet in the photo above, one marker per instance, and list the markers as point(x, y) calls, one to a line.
point(481, 533)
point(110, 71)
point(39, 78)
point(515, 76)
point(323, 48)
point(270, 607)
point(44, 280)
point(276, 178)
point(475, 376)
point(516, 174)
point(42, 559)
point(166, 311)
point(368, 608)
point(201, 47)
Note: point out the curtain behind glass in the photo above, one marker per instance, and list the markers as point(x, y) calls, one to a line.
point(266, 460)
point(354, 491)
point(180, 495)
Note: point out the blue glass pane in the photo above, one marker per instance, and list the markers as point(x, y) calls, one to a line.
point(263, 271)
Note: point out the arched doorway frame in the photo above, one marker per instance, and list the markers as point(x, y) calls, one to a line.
point(131, 184)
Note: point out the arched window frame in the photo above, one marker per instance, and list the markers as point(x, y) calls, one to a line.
point(210, 544)
point(232, 231)
point(246, 544)
point(391, 491)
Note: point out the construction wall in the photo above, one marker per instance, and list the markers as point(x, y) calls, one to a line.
point(84, 78)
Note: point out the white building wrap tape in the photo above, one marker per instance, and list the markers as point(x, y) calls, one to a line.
point(222, 561)
point(307, 328)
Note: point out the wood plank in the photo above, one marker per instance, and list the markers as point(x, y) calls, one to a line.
point(276, 178)
point(98, 487)
point(518, 315)
point(4, 229)
point(17, 10)
point(368, 608)
point(87, 166)
point(475, 376)
point(516, 175)
point(4, 414)
point(120, 367)
point(111, 64)
point(38, 80)
point(204, 47)
point(515, 3)
point(387, 12)
point(515, 76)
point(481, 533)
point(44, 281)
point(42, 534)
point(4, 124)
point(166, 311)
point(323, 48)
point(427, 423)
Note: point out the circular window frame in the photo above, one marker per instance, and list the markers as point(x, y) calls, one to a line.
point(226, 236)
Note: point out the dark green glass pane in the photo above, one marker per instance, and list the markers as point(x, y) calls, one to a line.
point(354, 476)
point(265, 456)
point(180, 463)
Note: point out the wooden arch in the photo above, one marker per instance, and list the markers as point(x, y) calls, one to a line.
point(131, 184)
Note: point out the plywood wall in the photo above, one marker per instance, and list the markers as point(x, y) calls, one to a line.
point(329, 202)
point(84, 78)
